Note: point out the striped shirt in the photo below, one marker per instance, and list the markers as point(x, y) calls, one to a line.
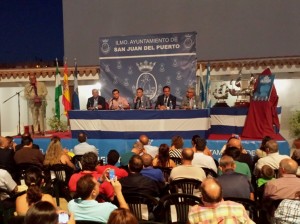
point(222, 212)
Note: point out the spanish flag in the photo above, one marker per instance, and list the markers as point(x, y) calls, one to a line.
point(66, 92)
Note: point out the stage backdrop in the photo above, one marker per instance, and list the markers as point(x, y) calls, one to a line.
point(150, 62)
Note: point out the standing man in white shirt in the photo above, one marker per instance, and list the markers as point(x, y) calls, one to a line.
point(83, 147)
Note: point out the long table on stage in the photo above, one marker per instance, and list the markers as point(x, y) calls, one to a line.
point(129, 124)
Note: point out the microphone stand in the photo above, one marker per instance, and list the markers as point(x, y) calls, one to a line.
point(17, 93)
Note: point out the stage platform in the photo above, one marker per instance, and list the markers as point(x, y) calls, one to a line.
point(214, 142)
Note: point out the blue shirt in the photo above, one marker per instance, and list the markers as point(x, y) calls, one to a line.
point(154, 174)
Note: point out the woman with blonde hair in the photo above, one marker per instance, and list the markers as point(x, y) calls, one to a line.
point(34, 181)
point(56, 154)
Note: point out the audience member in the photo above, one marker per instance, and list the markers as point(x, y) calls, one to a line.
point(193, 142)
point(20, 146)
point(241, 188)
point(149, 171)
point(44, 212)
point(83, 146)
point(112, 158)
point(11, 143)
point(166, 100)
point(215, 210)
point(163, 157)
point(261, 152)
point(287, 184)
point(56, 154)
point(135, 182)
point(29, 155)
point(176, 147)
point(244, 157)
point(296, 157)
point(266, 174)
point(89, 162)
point(7, 161)
point(122, 216)
point(240, 167)
point(137, 149)
point(272, 159)
point(85, 207)
point(187, 170)
point(34, 181)
point(288, 211)
point(118, 102)
point(152, 150)
point(7, 183)
point(200, 159)
point(96, 102)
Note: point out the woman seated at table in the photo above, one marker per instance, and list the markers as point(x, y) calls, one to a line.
point(163, 157)
point(34, 181)
point(56, 154)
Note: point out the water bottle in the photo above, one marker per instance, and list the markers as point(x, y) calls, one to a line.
point(194, 105)
point(170, 105)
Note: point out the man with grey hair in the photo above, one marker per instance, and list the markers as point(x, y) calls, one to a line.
point(287, 185)
point(190, 101)
point(96, 102)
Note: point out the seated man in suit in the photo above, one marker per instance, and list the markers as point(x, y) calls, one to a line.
point(190, 101)
point(166, 100)
point(96, 102)
point(141, 101)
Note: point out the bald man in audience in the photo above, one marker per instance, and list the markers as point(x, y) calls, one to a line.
point(152, 150)
point(287, 184)
point(272, 159)
point(187, 170)
point(215, 209)
point(241, 188)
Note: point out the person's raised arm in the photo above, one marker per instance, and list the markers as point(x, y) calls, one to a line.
point(118, 192)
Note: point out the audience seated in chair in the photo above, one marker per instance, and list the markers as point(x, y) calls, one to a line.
point(44, 212)
point(85, 207)
point(84, 147)
point(56, 154)
point(122, 216)
point(177, 143)
point(244, 157)
point(288, 211)
point(200, 158)
point(34, 181)
point(138, 149)
point(234, 184)
point(163, 158)
point(261, 151)
point(28, 154)
point(187, 170)
point(89, 162)
point(20, 146)
point(135, 182)
point(266, 174)
point(286, 185)
point(296, 157)
point(112, 158)
point(272, 159)
point(7, 161)
point(149, 171)
point(149, 149)
point(215, 209)
point(241, 167)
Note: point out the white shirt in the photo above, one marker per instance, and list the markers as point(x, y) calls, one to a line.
point(272, 159)
point(202, 160)
point(187, 171)
point(151, 150)
point(83, 148)
point(6, 182)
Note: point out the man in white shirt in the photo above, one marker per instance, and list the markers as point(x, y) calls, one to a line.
point(272, 159)
point(187, 170)
point(200, 159)
point(151, 150)
point(7, 183)
point(83, 147)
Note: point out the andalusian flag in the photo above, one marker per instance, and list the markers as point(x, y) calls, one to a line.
point(75, 96)
point(66, 93)
point(58, 92)
point(207, 87)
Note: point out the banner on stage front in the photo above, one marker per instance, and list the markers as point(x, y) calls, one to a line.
point(149, 62)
